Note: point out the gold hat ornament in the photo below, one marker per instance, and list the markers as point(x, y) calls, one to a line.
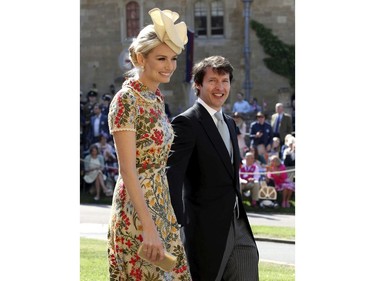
point(174, 35)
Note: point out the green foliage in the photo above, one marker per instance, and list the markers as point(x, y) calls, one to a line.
point(282, 56)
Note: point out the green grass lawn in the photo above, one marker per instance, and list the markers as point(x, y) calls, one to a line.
point(93, 260)
point(280, 232)
point(94, 265)
point(276, 272)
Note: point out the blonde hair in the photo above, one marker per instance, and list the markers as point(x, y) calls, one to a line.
point(249, 154)
point(143, 44)
point(276, 158)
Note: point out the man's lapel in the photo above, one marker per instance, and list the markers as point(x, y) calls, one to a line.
point(234, 139)
point(215, 137)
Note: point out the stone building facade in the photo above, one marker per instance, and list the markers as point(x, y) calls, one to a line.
point(105, 37)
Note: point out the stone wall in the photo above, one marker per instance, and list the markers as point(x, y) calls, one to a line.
point(102, 47)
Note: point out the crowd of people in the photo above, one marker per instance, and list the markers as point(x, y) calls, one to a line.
point(99, 167)
point(268, 150)
point(259, 138)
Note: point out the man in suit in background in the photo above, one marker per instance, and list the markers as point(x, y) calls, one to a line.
point(98, 123)
point(281, 123)
point(203, 178)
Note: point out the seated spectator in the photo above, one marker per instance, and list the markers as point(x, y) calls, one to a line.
point(261, 161)
point(261, 132)
point(262, 152)
point(105, 149)
point(241, 125)
point(289, 153)
point(280, 180)
point(285, 145)
point(110, 159)
point(94, 166)
point(276, 147)
point(249, 178)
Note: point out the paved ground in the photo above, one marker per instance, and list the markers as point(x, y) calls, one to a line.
point(94, 220)
point(271, 219)
point(100, 214)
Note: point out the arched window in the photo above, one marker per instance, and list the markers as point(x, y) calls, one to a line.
point(200, 18)
point(132, 19)
point(217, 18)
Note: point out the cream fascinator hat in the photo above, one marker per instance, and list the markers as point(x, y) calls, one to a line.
point(174, 35)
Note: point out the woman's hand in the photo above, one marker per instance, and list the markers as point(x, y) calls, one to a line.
point(152, 244)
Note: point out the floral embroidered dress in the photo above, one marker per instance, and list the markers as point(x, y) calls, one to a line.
point(136, 108)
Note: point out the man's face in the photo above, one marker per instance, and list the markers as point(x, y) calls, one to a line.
point(97, 110)
point(92, 99)
point(215, 89)
point(250, 160)
point(261, 119)
point(279, 109)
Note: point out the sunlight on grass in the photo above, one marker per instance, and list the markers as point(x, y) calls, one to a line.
point(276, 272)
point(94, 265)
point(274, 231)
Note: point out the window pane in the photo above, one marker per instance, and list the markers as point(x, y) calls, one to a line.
point(200, 18)
point(132, 19)
point(217, 18)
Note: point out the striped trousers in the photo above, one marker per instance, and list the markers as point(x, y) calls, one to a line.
point(240, 259)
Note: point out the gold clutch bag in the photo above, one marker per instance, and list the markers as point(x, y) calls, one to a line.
point(167, 264)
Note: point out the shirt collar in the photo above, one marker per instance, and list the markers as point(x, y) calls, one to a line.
point(210, 110)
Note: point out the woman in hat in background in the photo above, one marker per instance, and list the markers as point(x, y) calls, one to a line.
point(141, 207)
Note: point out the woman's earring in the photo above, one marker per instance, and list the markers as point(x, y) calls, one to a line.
point(142, 68)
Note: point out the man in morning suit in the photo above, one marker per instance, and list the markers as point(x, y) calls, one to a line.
point(203, 178)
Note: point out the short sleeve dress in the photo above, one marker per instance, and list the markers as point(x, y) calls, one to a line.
point(136, 108)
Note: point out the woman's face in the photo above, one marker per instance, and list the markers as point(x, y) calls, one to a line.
point(274, 163)
point(276, 143)
point(159, 66)
point(94, 152)
point(238, 120)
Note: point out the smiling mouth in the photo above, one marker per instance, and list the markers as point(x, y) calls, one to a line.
point(219, 95)
point(166, 74)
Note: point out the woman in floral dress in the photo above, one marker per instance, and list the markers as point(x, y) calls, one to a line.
point(141, 207)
